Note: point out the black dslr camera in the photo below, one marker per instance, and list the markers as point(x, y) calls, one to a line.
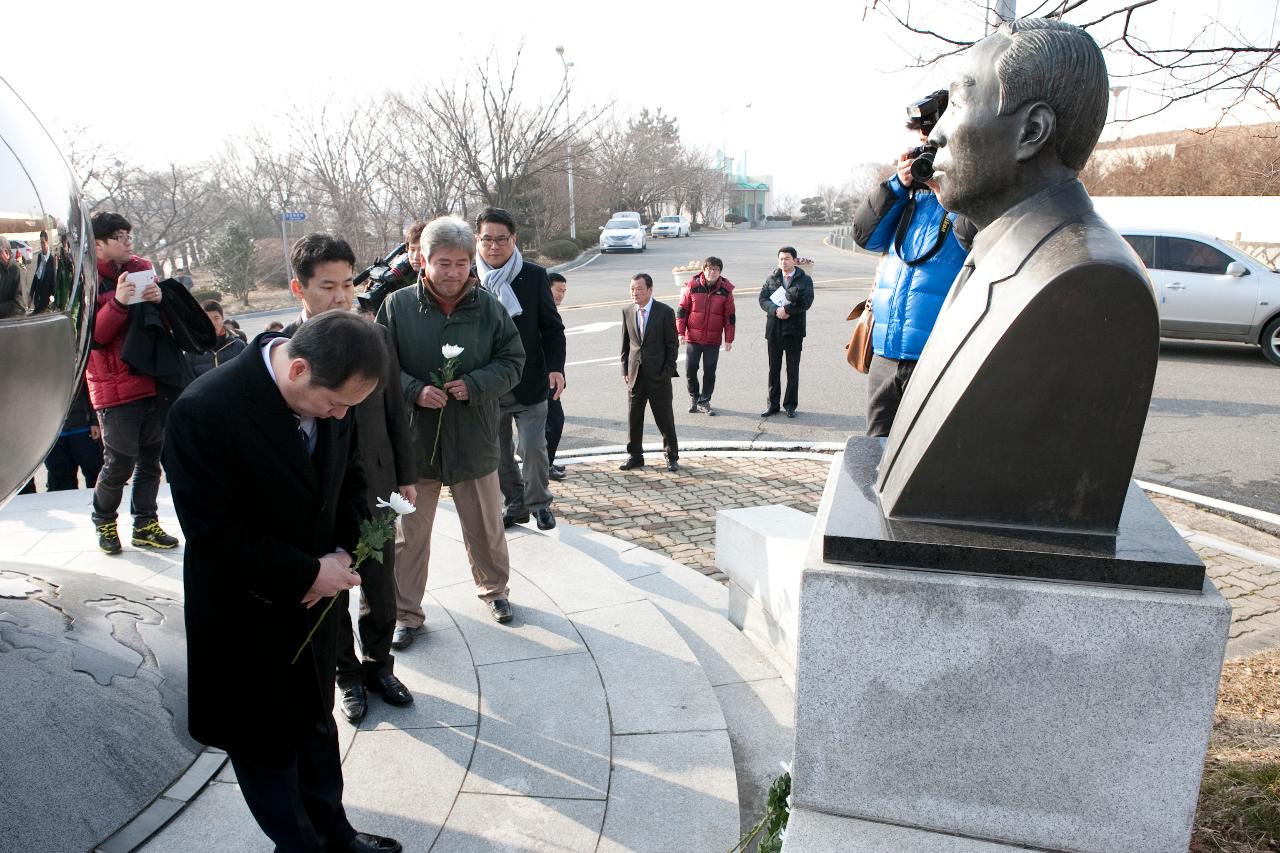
point(922, 116)
point(384, 278)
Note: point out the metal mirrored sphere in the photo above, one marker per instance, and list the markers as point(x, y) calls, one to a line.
point(48, 280)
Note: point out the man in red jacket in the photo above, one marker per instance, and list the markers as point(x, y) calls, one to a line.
point(705, 317)
point(130, 412)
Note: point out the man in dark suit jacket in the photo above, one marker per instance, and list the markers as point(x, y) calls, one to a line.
point(386, 457)
point(45, 278)
point(649, 346)
point(525, 291)
point(785, 298)
point(266, 481)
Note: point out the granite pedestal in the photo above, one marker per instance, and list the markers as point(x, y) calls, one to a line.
point(998, 709)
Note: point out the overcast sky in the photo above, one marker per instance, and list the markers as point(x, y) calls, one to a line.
point(827, 89)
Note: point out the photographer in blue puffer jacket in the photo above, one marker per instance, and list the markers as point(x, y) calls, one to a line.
point(924, 248)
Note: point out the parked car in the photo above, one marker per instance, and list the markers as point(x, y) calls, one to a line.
point(622, 234)
point(20, 250)
point(1208, 289)
point(672, 226)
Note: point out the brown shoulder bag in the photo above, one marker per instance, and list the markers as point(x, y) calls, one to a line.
point(858, 351)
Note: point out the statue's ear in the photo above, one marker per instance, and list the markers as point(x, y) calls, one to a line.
point(1038, 123)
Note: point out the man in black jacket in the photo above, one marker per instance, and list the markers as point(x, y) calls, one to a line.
point(524, 290)
point(266, 481)
point(386, 457)
point(785, 299)
point(226, 347)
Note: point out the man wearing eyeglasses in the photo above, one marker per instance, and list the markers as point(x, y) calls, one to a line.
point(525, 291)
point(130, 411)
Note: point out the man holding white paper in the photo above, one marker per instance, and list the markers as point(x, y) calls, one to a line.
point(785, 298)
point(130, 411)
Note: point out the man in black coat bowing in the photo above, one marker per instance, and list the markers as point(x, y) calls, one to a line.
point(267, 485)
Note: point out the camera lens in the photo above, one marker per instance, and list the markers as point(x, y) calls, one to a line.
point(922, 165)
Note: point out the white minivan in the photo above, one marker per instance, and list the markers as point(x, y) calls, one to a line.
point(672, 226)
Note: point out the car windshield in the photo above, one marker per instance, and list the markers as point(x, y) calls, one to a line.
point(619, 224)
point(669, 219)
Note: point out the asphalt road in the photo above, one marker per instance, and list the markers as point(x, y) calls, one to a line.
point(1211, 429)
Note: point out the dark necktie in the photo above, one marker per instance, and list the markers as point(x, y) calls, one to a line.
point(308, 439)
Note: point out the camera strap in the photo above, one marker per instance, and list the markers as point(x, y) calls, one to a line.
point(905, 222)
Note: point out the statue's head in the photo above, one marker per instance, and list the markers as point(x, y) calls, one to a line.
point(1024, 113)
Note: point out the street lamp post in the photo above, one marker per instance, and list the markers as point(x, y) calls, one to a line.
point(568, 143)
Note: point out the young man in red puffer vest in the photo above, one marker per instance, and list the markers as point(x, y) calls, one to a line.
point(705, 318)
point(130, 413)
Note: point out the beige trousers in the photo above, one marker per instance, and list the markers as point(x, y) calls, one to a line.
point(479, 505)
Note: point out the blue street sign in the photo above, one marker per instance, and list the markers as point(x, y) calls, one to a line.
point(293, 217)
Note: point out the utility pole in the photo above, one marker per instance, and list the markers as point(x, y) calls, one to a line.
point(568, 143)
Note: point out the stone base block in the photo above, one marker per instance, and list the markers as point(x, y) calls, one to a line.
point(1056, 716)
point(762, 549)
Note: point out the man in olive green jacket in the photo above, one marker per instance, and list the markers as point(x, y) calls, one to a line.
point(454, 417)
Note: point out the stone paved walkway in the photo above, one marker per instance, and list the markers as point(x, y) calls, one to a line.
point(675, 514)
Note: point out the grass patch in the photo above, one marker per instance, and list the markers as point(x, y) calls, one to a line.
point(1239, 810)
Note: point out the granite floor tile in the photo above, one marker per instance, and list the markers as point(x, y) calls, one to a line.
point(487, 824)
point(653, 681)
point(532, 741)
point(402, 784)
point(539, 629)
point(687, 779)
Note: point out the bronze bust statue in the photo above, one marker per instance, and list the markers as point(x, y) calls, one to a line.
point(1027, 405)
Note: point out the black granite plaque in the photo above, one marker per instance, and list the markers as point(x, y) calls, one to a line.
point(1145, 553)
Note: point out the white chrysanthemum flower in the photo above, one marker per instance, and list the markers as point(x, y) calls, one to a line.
point(397, 502)
point(450, 351)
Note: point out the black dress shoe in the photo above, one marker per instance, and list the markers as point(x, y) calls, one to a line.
point(546, 520)
point(706, 409)
point(557, 468)
point(791, 413)
point(554, 473)
point(500, 610)
point(355, 703)
point(402, 637)
point(693, 407)
point(770, 412)
point(510, 521)
point(673, 465)
point(631, 463)
point(367, 843)
point(392, 689)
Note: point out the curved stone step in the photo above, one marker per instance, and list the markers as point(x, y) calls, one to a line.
point(585, 724)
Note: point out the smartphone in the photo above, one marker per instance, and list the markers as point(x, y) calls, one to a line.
point(140, 280)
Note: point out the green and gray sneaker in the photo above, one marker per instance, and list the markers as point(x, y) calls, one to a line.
point(150, 535)
point(108, 538)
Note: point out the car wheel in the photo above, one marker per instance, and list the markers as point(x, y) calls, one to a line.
point(1271, 340)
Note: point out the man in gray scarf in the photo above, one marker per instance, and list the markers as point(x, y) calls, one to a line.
point(524, 290)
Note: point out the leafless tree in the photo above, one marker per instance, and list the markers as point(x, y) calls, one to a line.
point(1216, 60)
point(500, 142)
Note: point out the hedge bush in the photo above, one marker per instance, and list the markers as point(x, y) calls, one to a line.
point(561, 250)
point(204, 294)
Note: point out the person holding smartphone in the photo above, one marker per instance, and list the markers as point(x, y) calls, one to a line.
point(130, 411)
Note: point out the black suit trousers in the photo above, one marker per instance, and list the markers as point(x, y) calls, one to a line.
point(377, 621)
point(656, 393)
point(294, 789)
point(778, 347)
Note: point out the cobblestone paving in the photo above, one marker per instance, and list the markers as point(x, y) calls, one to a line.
point(675, 514)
